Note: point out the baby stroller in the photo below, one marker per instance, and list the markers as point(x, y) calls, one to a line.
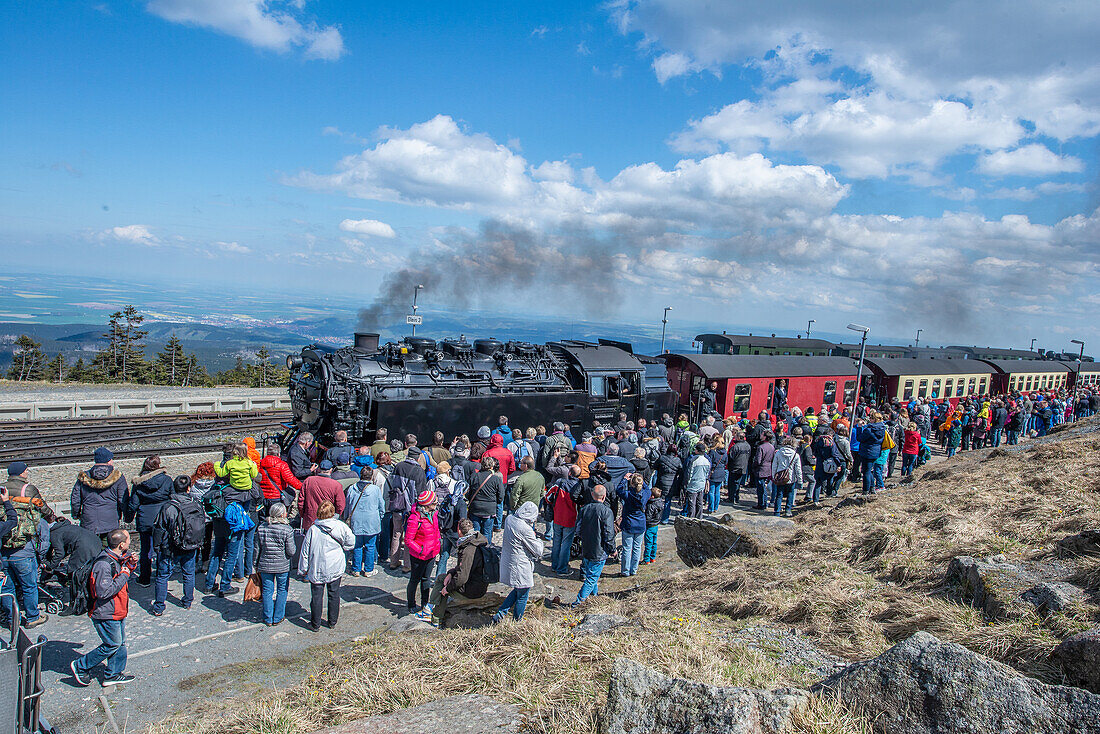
point(52, 596)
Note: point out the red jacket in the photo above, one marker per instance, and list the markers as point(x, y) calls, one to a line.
point(108, 586)
point(565, 509)
point(504, 456)
point(912, 443)
point(315, 490)
point(275, 476)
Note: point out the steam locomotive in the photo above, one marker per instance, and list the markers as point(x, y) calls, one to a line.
point(420, 386)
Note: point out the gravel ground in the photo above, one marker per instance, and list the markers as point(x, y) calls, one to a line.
point(22, 392)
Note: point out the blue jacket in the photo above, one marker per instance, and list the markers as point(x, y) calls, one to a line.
point(870, 440)
point(363, 508)
point(633, 509)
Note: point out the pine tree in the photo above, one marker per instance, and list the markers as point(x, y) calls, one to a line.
point(172, 363)
point(28, 360)
point(79, 371)
point(105, 364)
point(132, 346)
point(264, 366)
point(56, 368)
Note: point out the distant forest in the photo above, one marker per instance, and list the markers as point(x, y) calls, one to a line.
point(123, 359)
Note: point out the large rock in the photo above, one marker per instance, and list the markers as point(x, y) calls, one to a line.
point(925, 686)
point(1054, 596)
point(643, 701)
point(1079, 656)
point(599, 624)
point(472, 714)
point(699, 540)
point(1084, 543)
point(995, 587)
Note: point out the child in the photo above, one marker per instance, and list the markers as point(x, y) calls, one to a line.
point(239, 467)
point(653, 511)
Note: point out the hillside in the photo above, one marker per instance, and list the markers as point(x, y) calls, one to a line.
point(846, 584)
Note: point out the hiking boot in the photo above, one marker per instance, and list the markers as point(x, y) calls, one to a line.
point(32, 623)
point(118, 680)
point(227, 591)
point(78, 676)
point(369, 574)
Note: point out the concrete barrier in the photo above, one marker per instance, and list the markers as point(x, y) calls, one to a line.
point(120, 408)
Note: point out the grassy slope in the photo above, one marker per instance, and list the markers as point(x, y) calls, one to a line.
point(855, 580)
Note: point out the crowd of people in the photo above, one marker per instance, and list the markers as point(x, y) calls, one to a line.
point(458, 515)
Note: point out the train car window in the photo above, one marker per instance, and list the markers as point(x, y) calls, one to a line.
point(696, 384)
point(597, 386)
point(1028, 383)
point(981, 386)
point(741, 395)
point(629, 383)
point(922, 392)
point(771, 388)
point(972, 384)
point(948, 387)
point(829, 396)
point(849, 391)
point(907, 394)
point(1012, 383)
point(935, 388)
point(960, 387)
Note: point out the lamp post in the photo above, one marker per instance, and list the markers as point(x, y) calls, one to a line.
point(1080, 358)
point(809, 323)
point(917, 344)
point(416, 292)
point(859, 372)
point(664, 324)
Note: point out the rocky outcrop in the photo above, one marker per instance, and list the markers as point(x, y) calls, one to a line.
point(472, 714)
point(599, 624)
point(643, 701)
point(1084, 543)
point(1079, 656)
point(699, 540)
point(925, 686)
point(1005, 591)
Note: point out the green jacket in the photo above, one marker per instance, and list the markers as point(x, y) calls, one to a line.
point(528, 488)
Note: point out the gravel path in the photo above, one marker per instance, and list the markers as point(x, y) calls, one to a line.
point(23, 392)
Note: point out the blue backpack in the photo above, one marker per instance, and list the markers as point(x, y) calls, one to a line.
point(238, 518)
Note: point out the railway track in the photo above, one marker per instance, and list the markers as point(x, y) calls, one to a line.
point(64, 441)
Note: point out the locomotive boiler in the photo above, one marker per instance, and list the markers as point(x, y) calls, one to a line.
point(419, 385)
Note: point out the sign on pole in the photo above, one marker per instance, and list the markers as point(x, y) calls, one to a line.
point(414, 320)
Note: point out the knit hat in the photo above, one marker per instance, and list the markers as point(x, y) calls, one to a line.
point(425, 498)
point(483, 432)
point(16, 468)
point(102, 455)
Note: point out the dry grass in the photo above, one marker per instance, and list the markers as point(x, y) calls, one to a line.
point(856, 580)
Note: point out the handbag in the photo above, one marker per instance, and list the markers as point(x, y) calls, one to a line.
point(253, 589)
point(887, 442)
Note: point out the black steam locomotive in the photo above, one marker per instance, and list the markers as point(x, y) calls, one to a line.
point(420, 386)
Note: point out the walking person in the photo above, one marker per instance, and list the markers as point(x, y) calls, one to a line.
point(323, 561)
point(110, 604)
point(177, 536)
point(422, 540)
point(363, 511)
point(275, 540)
point(150, 492)
point(520, 548)
point(633, 523)
point(786, 475)
point(596, 524)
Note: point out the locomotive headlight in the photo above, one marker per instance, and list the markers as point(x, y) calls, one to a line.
point(293, 361)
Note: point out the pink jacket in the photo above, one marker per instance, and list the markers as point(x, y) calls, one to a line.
point(422, 535)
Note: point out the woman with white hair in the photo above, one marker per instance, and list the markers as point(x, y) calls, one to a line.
point(275, 539)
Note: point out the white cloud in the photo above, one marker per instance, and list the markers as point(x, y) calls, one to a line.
point(138, 234)
point(369, 227)
point(233, 247)
point(1029, 160)
point(267, 24)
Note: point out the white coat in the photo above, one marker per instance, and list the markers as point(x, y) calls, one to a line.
point(323, 553)
point(521, 548)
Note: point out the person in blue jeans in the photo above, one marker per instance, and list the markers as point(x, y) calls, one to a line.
point(275, 539)
point(653, 510)
point(786, 464)
point(223, 558)
point(363, 512)
point(109, 581)
point(634, 497)
point(596, 524)
point(177, 552)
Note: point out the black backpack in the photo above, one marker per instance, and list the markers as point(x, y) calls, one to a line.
point(490, 563)
point(214, 501)
point(80, 594)
point(548, 501)
point(188, 531)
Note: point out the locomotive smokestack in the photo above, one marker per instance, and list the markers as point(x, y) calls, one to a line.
point(366, 342)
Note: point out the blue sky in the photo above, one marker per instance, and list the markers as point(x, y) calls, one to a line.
point(910, 168)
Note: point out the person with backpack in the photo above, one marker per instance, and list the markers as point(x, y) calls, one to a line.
point(520, 548)
point(150, 491)
point(466, 581)
point(242, 474)
point(654, 508)
point(109, 605)
point(422, 539)
point(177, 535)
point(486, 490)
point(634, 496)
point(226, 505)
point(276, 548)
point(101, 495)
point(276, 479)
point(786, 475)
point(202, 481)
point(451, 495)
point(24, 547)
point(561, 499)
point(322, 563)
point(363, 511)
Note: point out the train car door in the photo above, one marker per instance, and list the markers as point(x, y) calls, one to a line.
point(604, 397)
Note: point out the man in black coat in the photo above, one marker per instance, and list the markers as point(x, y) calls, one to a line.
point(71, 546)
point(596, 525)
